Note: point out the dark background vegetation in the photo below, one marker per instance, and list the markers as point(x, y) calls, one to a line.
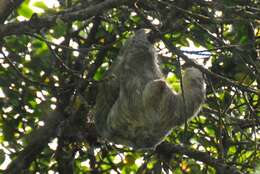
point(48, 88)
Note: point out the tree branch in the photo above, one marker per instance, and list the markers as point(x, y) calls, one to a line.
point(38, 139)
point(158, 34)
point(167, 149)
point(7, 7)
point(37, 23)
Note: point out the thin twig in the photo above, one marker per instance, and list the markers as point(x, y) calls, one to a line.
point(10, 62)
point(172, 48)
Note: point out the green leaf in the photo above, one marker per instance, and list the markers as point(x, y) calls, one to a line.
point(135, 19)
point(243, 40)
point(184, 42)
point(176, 35)
point(60, 28)
point(41, 5)
point(167, 36)
point(25, 11)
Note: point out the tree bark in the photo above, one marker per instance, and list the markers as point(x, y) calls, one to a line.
point(7, 7)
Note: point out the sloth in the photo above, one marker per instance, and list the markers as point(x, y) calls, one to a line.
point(135, 106)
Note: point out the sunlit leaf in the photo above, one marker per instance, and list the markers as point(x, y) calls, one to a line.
point(40, 4)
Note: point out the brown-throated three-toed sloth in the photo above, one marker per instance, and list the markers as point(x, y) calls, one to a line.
point(135, 106)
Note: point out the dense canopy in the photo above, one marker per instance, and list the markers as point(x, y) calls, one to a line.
point(54, 54)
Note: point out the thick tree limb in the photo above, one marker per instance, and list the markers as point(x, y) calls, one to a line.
point(6, 8)
point(37, 23)
point(40, 137)
point(37, 141)
point(167, 149)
